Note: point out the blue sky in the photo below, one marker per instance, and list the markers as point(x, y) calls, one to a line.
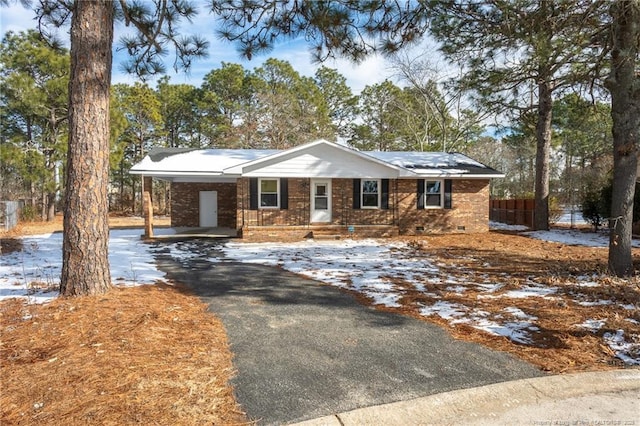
point(374, 70)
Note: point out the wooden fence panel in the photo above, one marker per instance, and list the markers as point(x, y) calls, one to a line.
point(515, 211)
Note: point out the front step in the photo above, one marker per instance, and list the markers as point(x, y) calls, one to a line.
point(324, 236)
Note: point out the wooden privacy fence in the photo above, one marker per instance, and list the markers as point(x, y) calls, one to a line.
point(518, 211)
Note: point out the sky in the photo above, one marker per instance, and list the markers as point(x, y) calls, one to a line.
point(373, 70)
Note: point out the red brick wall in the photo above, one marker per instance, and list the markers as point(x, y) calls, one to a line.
point(344, 214)
point(185, 203)
point(297, 214)
point(469, 212)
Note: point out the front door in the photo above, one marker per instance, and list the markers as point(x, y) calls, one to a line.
point(208, 209)
point(320, 200)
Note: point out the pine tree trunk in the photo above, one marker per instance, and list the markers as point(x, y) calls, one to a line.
point(624, 85)
point(51, 206)
point(543, 137)
point(85, 263)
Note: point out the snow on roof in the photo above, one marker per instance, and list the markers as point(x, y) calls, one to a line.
point(424, 162)
point(182, 161)
point(198, 160)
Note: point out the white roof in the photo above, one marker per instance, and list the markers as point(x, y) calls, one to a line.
point(209, 161)
point(232, 163)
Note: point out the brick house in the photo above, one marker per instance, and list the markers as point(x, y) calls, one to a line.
point(322, 188)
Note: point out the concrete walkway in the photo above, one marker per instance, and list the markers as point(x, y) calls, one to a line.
point(600, 398)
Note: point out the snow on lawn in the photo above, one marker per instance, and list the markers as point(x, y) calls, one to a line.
point(388, 271)
point(364, 265)
point(34, 272)
point(575, 237)
point(499, 226)
point(382, 270)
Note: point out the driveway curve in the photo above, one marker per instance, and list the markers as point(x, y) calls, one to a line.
point(304, 350)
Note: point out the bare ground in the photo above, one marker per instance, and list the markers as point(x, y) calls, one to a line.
point(150, 355)
point(511, 260)
point(44, 227)
point(153, 354)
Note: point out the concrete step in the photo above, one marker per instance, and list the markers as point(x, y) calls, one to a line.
point(320, 236)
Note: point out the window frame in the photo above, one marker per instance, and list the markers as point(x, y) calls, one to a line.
point(441, 193)
point(378, 193)
point(277, 193)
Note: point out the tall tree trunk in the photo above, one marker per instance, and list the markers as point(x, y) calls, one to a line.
point(51, 206)
point(624, 85)
point(85, 262)
point(543, 137)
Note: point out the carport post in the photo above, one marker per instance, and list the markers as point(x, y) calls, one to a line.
point(147, 202)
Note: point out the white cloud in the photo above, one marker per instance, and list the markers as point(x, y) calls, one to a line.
point(16, 18)
point(374, 69)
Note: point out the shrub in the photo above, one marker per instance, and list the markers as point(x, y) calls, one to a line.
point(593, 209)
point(28, 213)
point(596, 205)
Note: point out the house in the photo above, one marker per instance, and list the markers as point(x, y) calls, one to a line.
point(322, 188)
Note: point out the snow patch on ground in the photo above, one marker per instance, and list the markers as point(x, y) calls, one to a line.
point(499, 226)
point(385, 272)
point(593, 325)
point(575, 237)
point(34, 272)
point(382, 270)
point(627, 351)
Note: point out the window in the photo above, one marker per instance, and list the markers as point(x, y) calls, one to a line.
point(433, 194)
point(268, 196)
point(370, 194)
point(321, 197)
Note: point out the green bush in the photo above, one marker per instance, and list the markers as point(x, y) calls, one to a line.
point(28, 213)
point(596, 205)
point(594, 209)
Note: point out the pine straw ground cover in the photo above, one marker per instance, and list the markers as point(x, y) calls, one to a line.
point(547, 303)
point(572, 321)
point(147, 355)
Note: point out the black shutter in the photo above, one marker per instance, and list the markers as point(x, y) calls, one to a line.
point(253, 193)
point(284, 193)
point(447, 193)
point(384, 201)
point(420, 193)
point(356, 193)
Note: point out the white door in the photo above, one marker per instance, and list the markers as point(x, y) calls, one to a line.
point(320, 200)
point(208, 209)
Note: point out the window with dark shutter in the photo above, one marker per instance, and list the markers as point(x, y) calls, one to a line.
point(268, 193)
point(253, 193)
point(384, 201)
point(284, 193)
point(447, 193)
point(356, 194)
point(432, 194)
point(420, 193)
point(370, 198)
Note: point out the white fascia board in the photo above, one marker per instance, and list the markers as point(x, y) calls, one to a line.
point(444, 175)
point(205, 179)
point(172, 173)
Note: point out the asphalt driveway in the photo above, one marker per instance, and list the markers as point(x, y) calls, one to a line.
point(304, 349)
